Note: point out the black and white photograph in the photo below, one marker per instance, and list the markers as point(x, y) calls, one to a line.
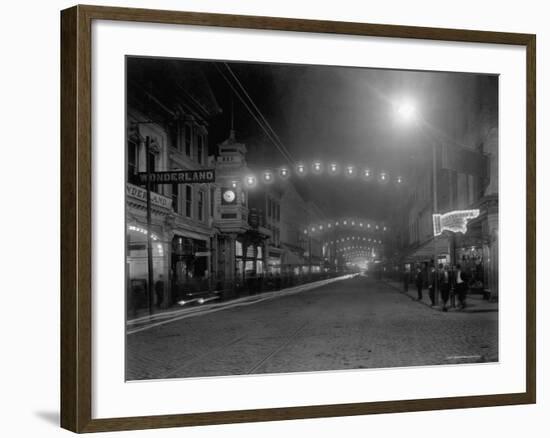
point(291, 218)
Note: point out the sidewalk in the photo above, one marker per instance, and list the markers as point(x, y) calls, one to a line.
point(474, 302)
point(164, 316)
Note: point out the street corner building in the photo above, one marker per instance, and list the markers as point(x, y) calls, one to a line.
point(208, 240)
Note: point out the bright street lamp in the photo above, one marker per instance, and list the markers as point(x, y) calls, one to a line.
point(406, 111)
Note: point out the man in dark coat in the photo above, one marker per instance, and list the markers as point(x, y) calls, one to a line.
point(432, 284)
point(461, 285)
point(419, 282)
point(445, 286)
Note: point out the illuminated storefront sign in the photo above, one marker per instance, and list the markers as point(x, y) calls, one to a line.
point(139, 193)
point(454, 221)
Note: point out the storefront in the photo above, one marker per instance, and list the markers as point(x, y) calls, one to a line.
point(250, 261)
point(189, 266)
point(137, 273)
point(273, 261)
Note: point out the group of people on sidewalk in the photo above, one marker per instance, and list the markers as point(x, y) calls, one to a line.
point(450, 282)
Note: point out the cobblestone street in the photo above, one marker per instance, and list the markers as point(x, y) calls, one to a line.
point(354, 323)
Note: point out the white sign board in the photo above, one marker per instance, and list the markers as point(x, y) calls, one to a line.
point(455, 221)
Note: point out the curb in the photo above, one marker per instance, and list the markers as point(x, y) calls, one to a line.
point(439, 308)
point(412, 298)
point(141, 324)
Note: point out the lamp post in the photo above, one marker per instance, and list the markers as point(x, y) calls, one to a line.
point(407, 112)
point(150, 274)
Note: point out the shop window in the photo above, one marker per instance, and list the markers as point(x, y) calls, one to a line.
point(187, 140)
point(200, 205)
point(173, 134)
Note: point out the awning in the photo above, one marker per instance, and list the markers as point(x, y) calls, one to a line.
point(291, 258)
point(429, 248)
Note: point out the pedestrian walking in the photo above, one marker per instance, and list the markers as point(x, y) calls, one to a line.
point(419, 281)
point(453, 291)
point(431, 284)
point(461, 285)
point(445, 286)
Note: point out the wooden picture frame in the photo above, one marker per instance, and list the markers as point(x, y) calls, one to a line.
point(76, 218)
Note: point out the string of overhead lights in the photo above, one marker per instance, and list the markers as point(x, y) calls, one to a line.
point(353, 248)
point(301, 169)
point(358, 224)
point(350, 239)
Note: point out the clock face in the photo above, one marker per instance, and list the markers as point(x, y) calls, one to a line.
point(229, 196)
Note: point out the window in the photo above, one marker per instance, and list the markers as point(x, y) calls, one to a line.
point(188, 200)
point(175, 193)
point(212, 194)
point(132, 160)
point(200, 205)
point(200, 147)
point(173, 134)
point(187, 140)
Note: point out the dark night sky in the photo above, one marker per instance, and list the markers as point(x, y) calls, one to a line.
point(340, 114)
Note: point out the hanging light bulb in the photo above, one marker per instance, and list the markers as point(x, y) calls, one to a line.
point(268, 177)
point(317, 167)
point(350, 171)
point(284, 173)
point(367, 174)
point(250, 181)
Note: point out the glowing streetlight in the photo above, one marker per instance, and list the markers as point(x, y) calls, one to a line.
point(406, 110)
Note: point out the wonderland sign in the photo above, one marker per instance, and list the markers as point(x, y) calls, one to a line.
point(454, 221)
point(178, 177)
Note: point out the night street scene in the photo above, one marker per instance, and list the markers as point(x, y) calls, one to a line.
point(286, 218)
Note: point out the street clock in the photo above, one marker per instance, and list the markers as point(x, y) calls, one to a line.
point(228, 196)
